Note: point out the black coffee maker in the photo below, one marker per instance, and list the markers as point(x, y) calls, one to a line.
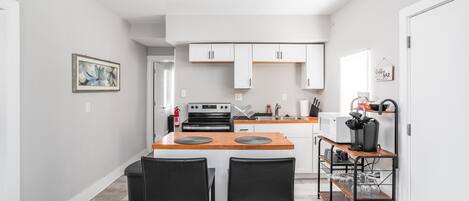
point(364, 132)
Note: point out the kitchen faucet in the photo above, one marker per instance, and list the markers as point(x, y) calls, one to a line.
point(277, 107)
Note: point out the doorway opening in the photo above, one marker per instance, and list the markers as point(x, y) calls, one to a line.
point(163, 96)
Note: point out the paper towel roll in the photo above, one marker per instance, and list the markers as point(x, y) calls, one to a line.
point(304, 108)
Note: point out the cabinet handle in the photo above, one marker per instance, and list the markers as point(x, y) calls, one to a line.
point(209, 54)
point(276, 55)
point(244, 129)
point(250, 82)
point(308, 82)
point(281, 55)
point(213, 54)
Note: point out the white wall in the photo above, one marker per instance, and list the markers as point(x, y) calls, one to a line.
point(214, 83)
point(246, 28)
point(373, 25)
point(9, 101)
point(3, 151)
point(363, 24)
point(63, 149)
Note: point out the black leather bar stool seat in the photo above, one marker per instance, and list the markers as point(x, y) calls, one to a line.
point(178, 179)
point(261, 179)
point(135, 186)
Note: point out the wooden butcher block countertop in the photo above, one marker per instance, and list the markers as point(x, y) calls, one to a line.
point(224, 140)
point(311, 120)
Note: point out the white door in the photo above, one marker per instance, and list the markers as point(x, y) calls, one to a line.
point(439, 90)
point(200, 52)
point(243, 66)
point(222, 52)
point(265, 52)
point(313, 69)
point(293, 53)
point(163, 96)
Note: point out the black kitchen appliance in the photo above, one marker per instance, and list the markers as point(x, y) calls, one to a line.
point(364, 132)
point(208, 117)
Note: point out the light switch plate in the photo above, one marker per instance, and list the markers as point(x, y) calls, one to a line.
point(284, 97)
point(87, 107)
point(238, 97)
point(183, 93)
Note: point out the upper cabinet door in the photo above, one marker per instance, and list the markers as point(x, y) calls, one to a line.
point(293, 53)
point(200, 52)
point(243, 66)
point(313, 69)
point(265, 53)
point(222, 52)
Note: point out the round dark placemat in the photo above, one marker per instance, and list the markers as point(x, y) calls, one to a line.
point(193, 140)
point(253, 140)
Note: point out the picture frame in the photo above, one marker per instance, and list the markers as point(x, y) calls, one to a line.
point(91, 74)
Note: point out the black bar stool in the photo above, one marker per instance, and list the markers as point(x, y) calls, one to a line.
point(178, 179)
point(261, 179)
point(135, 186)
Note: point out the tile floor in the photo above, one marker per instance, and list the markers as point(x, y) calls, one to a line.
point(305, 190)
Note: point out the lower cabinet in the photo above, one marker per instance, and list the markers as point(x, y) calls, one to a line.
point(300, 134)
point(303, 154)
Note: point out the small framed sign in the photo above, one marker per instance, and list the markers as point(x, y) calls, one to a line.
point(384, 72)
point(94, 75)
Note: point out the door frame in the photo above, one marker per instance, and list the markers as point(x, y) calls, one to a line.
point(405, 15)
point(150, 96)
point(12, 92)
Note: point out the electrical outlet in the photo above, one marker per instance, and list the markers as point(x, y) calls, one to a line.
point(284, 97)
point(183, 93)
point(238, 97)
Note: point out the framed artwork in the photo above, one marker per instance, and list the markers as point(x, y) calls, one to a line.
point(384, 71)
point(94, 75)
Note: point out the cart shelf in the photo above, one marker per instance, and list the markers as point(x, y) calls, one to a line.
point(345, 147)
point(337, 196)
point(349, 193)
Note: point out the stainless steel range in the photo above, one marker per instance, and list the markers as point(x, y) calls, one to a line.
point(208, 117)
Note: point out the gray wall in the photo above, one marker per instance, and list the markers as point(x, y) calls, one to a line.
point(214, 83)
point(161, 51)
point(63, 149)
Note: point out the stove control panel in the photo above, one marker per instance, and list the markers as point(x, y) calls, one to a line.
point(209, 107)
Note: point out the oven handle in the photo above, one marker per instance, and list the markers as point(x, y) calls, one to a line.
point(206, 127)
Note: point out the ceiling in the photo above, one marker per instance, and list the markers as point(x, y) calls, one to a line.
point(155, 10)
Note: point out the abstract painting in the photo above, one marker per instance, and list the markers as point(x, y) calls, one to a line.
point(94, 75)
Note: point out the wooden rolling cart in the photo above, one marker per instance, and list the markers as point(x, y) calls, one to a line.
point(358, 163)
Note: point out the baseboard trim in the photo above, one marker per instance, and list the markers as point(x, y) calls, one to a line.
point(93, 190)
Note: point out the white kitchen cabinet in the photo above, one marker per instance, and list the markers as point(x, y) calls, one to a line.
point(243, 66)
point(243, 128)
point(312, 76)
point(200, 52)
point(295, 53)
point(303, 153)
point(265, 52)
point(211, 53)
point(301, 135)
point(222, 52)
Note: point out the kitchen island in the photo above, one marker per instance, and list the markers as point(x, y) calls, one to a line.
point(219, 151)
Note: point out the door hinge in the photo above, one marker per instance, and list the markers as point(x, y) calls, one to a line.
point(408, 42)
point(409, 129)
